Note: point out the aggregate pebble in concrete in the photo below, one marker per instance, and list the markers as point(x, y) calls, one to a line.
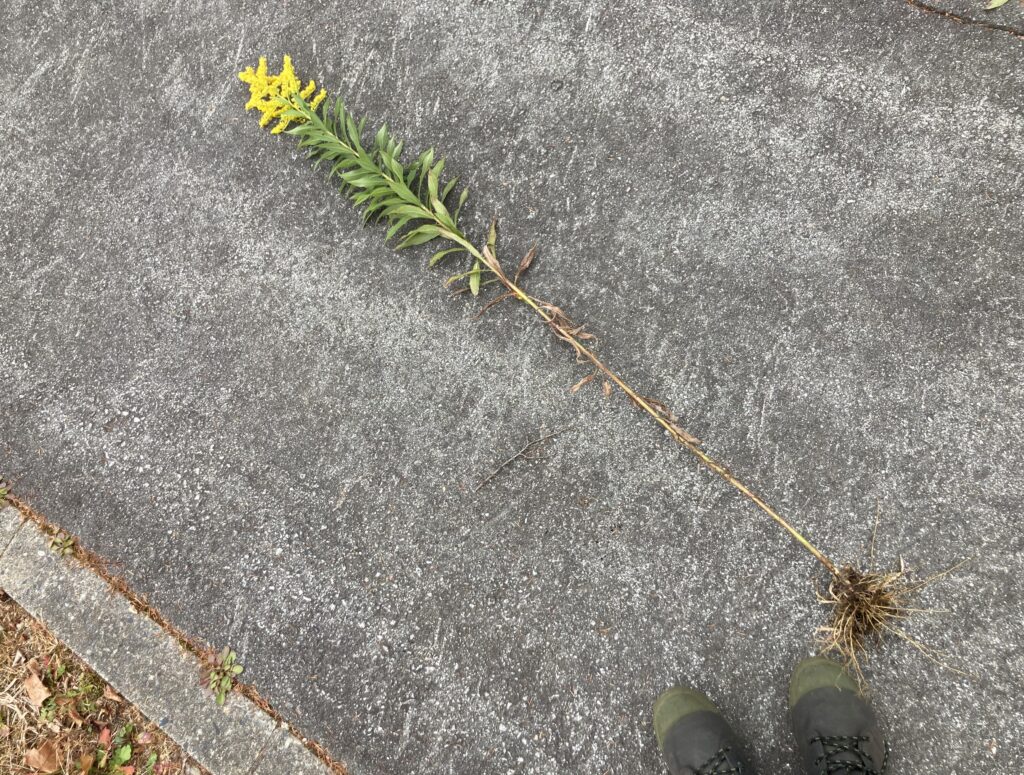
point(797, 224)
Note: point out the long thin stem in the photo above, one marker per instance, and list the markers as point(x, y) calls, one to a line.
point(682, 438)
point(378, 180)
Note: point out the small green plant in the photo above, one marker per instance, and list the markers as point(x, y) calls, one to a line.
point(150, 764)
point(222, 673)
point(48, 710)
point(112, 753)
point(62, 544)
point(85, 694)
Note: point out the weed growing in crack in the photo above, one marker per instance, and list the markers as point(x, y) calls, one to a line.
point(222, 673)
point(62, 544)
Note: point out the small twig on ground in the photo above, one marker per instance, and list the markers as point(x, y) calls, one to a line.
point(522, 453)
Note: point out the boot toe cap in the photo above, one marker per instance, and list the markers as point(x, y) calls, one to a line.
point(675, 704)
point(818, 673)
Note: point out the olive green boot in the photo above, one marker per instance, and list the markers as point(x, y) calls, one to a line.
point(694, 737)
point(836, 730)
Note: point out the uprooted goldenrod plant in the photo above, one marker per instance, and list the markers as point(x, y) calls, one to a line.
point(418, 208)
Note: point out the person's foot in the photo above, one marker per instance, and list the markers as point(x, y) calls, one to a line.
point(836, 730)
point(694, 737)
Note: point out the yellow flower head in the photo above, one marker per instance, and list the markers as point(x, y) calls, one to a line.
point(270, 94)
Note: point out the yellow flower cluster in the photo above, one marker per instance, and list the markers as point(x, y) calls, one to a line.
point(269, 94)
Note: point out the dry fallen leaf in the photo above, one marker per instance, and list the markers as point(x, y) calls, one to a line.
point(607, 388)
point(37, 693)
point(525, 263)
point(582, 382)
point(85, 761)
point(43, 758)
point(110, 694)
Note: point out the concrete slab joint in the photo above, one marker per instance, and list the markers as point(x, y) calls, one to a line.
point(144, 663)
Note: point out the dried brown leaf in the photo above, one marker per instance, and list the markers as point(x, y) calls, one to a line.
point(44, 758)
point(110, 694)
point(525, 263)
point(493, 302)
point(34, 689)
point(558, 318)
point(492, 263)
point(586, 380)
point(85, 761)
point(607, 388)
point(679, 433)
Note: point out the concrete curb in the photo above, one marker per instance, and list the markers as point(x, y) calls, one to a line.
point(144, 663)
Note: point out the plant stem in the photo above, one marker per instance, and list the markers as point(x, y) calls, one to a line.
point(685, 440)
point(381, 174)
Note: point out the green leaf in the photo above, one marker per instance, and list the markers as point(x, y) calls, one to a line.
point(360, 180)
point(474, 279)
point(456, 277)
point(121, 756)
point(395, 167)
point(412, 211)
point(418, 236)
point(441, 211)
point(352, 129)
point(423, 166)
point(448, 188)
point(439, 255)
point(341, 165)
point(462, 200)
point(396, 227)
point(433, 178)
point(492, 237)
point(995, 4)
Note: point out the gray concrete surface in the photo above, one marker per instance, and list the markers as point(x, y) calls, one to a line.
point(797, 224)
point(142, 661)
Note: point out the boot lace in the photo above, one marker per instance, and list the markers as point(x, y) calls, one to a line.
point(833, 747)
point(719, 764)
